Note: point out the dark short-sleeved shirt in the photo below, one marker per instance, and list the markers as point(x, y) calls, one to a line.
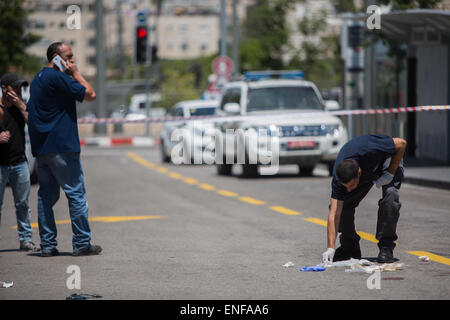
point(13, 152)
point(52, 116)
point(369, 151)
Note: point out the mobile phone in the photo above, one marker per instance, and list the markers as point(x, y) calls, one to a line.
point(57, 60)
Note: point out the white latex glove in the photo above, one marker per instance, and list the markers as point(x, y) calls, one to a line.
point(385, 179)
point(327, 256)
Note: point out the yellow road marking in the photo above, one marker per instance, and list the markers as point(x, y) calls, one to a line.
point(251, 200)
point(367, 236)
point(124, 218)
point(432, 256)
point(284, 210)
point(190, 180)
point(174, 175)
point(162, 170)
point(107, 219)
point(227, 193)
point(141, 160)
point(318, 221)
point(207, 187)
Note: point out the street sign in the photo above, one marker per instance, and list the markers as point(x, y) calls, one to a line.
point(142, 17)
point(222, 66)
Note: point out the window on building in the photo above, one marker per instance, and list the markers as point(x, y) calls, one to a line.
point(92, 59)
point(91, 42)
point(184, 46)
point(39, 24)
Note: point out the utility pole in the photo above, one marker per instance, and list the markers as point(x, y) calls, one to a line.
point(148, 102)
point(120, 36)
point(100, 78)
point(236, 40)
point(223, 28)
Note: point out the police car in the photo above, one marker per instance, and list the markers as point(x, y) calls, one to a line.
point(290, 110)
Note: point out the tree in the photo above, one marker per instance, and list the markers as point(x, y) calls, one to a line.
point(265, 35)
point(15, 39)
point(319, 53)
point(344, 6)
point(408, 4)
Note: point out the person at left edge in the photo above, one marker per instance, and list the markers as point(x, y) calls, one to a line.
point(13, 162)
point(56, 145)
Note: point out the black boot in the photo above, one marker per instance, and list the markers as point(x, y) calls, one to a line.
point(386, 255)
point(343, 254)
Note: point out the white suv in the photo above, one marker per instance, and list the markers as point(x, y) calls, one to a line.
point(288, 108)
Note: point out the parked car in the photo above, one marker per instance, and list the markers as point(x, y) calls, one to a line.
point(278, 100)
point(137, 107)
point(192, 136)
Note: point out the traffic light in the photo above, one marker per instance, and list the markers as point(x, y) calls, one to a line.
point(154, 53)
point(141, 44)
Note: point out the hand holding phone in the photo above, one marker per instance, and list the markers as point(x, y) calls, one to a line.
point(59, 62)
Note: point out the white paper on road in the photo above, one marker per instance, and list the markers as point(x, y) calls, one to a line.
point(6, 284)
point(363, 265)
point(288, 264)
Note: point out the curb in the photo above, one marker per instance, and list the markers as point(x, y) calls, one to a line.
point(107, 142)
point(445, 185)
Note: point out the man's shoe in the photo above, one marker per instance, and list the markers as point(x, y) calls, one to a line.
point(90, 251)
point(386, 255)
point(28, 246)
point(50, 253)
point(342, 254)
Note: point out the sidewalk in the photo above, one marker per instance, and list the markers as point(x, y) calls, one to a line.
point(426, 173)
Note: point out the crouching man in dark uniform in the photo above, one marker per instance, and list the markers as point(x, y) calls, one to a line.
point(361, 163)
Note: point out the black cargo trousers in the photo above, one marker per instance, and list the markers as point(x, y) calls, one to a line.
point(388, 212)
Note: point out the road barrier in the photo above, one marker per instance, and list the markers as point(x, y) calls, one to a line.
point(269, 115)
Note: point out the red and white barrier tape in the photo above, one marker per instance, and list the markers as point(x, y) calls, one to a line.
point(293, 114)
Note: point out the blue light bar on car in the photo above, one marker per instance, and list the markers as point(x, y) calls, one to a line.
point(284, 74)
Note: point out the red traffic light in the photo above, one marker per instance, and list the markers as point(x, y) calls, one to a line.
point(141, 32)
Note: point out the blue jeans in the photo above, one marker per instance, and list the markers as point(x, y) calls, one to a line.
point(19, 179)
point(62, 170)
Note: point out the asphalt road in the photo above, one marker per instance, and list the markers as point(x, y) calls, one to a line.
point(182, 232)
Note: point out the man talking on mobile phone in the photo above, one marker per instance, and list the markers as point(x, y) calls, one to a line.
point(13, 162)
point(52, 121)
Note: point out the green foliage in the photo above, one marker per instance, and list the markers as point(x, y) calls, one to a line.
point(265, 35)
point(183, 79)
point(14, 39)
point(344, 6)
point(319, 56)
point(408, 4)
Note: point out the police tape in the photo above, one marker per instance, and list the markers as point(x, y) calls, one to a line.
point(220, 118)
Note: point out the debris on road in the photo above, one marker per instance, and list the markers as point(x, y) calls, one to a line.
point(348, 263)
point(370, 269)
point(424, 258)
point(6, 284)
point(82, 296)
point(363, 265)
point(288, 264)
point(319, 267)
